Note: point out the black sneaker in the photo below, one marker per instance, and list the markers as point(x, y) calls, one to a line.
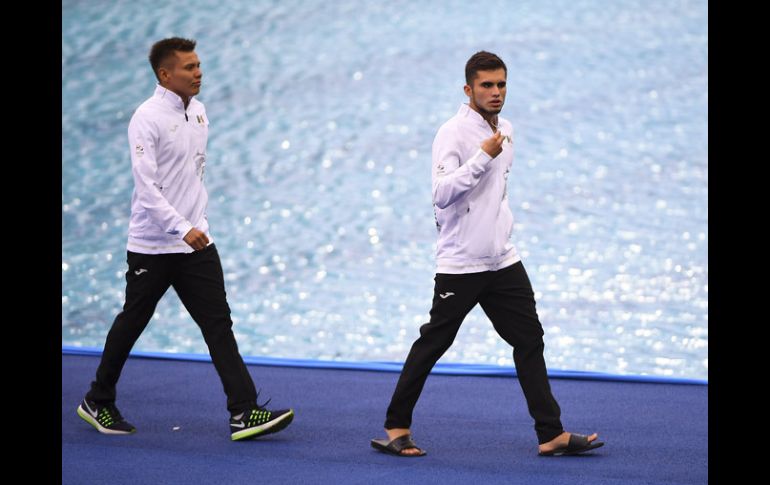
point(106, 419)
point(259, 422)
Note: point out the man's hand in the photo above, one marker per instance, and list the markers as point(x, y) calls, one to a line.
point(493, 145)
point(196, 239)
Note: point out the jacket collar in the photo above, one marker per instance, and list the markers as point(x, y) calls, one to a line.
point(170, 98)
point(472, 115)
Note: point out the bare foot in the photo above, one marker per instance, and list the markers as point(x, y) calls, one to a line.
point(397, 432)
point(561, 441)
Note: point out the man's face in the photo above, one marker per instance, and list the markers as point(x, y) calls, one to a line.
point(487, 94)
point(182, 74)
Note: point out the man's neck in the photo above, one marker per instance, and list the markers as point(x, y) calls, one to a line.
point(490, 118)
point(492, 121)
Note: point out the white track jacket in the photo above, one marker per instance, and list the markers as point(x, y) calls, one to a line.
point(168, 159)
point(470, 196)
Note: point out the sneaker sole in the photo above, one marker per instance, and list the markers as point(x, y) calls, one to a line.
point(90, 420)
point(268, 428)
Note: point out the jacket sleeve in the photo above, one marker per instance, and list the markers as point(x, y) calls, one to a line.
point(143, 142)
point(451, 178)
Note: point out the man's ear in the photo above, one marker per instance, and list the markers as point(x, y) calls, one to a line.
point(163, 74)
point(467, 90)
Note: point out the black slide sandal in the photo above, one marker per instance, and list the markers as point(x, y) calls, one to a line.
point(396, 446)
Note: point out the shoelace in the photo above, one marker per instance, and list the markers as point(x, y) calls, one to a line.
point(262, 406)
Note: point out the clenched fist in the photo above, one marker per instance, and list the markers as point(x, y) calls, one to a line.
point(493, 145)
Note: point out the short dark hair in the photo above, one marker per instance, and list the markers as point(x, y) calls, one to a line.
point(482, 61)
point(163, 49)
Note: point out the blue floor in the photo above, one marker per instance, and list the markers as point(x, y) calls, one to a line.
point(476, 430)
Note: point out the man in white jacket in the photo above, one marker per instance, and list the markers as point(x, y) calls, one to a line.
point(478, 264)
point(169, 245)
